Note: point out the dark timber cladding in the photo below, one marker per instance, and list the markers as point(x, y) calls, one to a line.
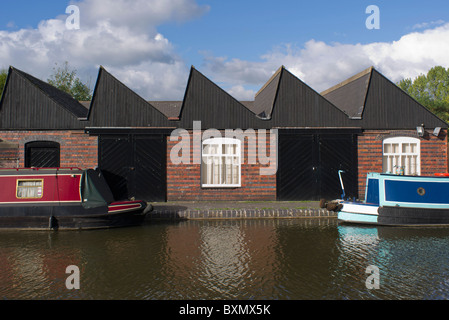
point(289, 103)
point(29, 103)
point(374, 102)
point(206, 102)
point(115, 105)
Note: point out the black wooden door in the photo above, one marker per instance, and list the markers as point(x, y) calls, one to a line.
point(296, 176)
point(149, 171)
point(337, 152)
point(42, 154)
point(309, 164)
point(134, 166)
point(114, 158)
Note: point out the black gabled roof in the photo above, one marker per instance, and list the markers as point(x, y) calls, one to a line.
point(30, 103)
point(350, 95)
point(206, 102)
point(62, 98)
point(115, 105)
point(374, 102)
point(266, 96)
point(170, 109)
point(287, 102)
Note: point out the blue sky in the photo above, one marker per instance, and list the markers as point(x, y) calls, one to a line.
point(237, 44)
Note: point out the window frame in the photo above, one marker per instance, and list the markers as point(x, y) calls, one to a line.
point(400, 141)
point(29, 180)
point(220, 155)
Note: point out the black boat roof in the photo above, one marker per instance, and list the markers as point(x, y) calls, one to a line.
point(39, 171)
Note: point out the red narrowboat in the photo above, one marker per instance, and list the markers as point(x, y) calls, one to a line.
point(63, 199)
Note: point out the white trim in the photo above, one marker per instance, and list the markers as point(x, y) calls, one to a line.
point(410, 160)
point(213, 166)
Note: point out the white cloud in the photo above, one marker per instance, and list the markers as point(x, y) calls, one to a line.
point(426, 25)
point(323, 65)
point(121, 35)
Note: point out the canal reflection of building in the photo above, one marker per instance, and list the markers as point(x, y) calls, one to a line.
point(221, 256)
point(32, 271)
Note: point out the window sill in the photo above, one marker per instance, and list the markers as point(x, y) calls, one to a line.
point(220, 186)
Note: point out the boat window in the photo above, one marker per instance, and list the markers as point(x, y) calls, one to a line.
point(29, 189)
point(221, 163)
point(401, 155)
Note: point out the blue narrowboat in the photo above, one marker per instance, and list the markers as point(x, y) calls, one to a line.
point(400, 200)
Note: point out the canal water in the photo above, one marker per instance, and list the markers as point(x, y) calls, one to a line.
point(234, 259)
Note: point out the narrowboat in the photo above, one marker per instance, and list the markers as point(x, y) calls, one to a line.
point(400, 200)
point(63, 199)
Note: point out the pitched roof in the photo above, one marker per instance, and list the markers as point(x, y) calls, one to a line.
point(266, 96)
point(171, 109)
point(62, 98)
point(286, 101)
point(350, 95)
point(115, 105)
point(206, 102)
point(28, 102)
point(374, 102)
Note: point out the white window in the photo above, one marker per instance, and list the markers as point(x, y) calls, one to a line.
point(221, 163)
point(29, 189)
point(401, 153)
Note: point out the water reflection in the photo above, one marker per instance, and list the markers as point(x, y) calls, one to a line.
point(413, 262)
point(247, 259)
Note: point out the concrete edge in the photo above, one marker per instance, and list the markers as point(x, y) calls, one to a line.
point(240, 214)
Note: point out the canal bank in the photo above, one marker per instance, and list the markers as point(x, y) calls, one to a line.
point(204, 210)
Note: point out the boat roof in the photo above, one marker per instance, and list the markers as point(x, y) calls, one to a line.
point(39, 171)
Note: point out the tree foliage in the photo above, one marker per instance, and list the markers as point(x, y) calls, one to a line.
point(3, 76)
point(65, 79)
point(431, 90)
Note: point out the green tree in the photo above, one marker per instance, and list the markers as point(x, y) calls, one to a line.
point(65, 79)
point(3, 76)
point(431, 90)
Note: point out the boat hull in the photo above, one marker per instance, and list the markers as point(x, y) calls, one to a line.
point(73, 217)
point(392, 216)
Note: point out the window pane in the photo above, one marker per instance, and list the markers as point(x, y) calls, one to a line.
point(395, 148)
point(221, 162)
point(405, 148)
point(31, 189)
point(387, 148)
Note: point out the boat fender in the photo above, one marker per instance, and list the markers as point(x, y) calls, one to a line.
point(323, 203)
point(53, 223)
point(149, 208)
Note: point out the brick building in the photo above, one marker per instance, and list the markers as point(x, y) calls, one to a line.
point(286, 144)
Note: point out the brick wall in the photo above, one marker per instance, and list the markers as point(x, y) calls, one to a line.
point(434, 153)
point(184, 180)
point(77, 149)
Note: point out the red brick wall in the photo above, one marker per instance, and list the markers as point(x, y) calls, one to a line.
point(184, 180)
point(77, 148)
point(434, 153)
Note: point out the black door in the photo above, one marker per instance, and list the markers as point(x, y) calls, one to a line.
point(309, 164)
point(296, 176)
point(134, 166)
point(337, 152)
point(42, 154)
